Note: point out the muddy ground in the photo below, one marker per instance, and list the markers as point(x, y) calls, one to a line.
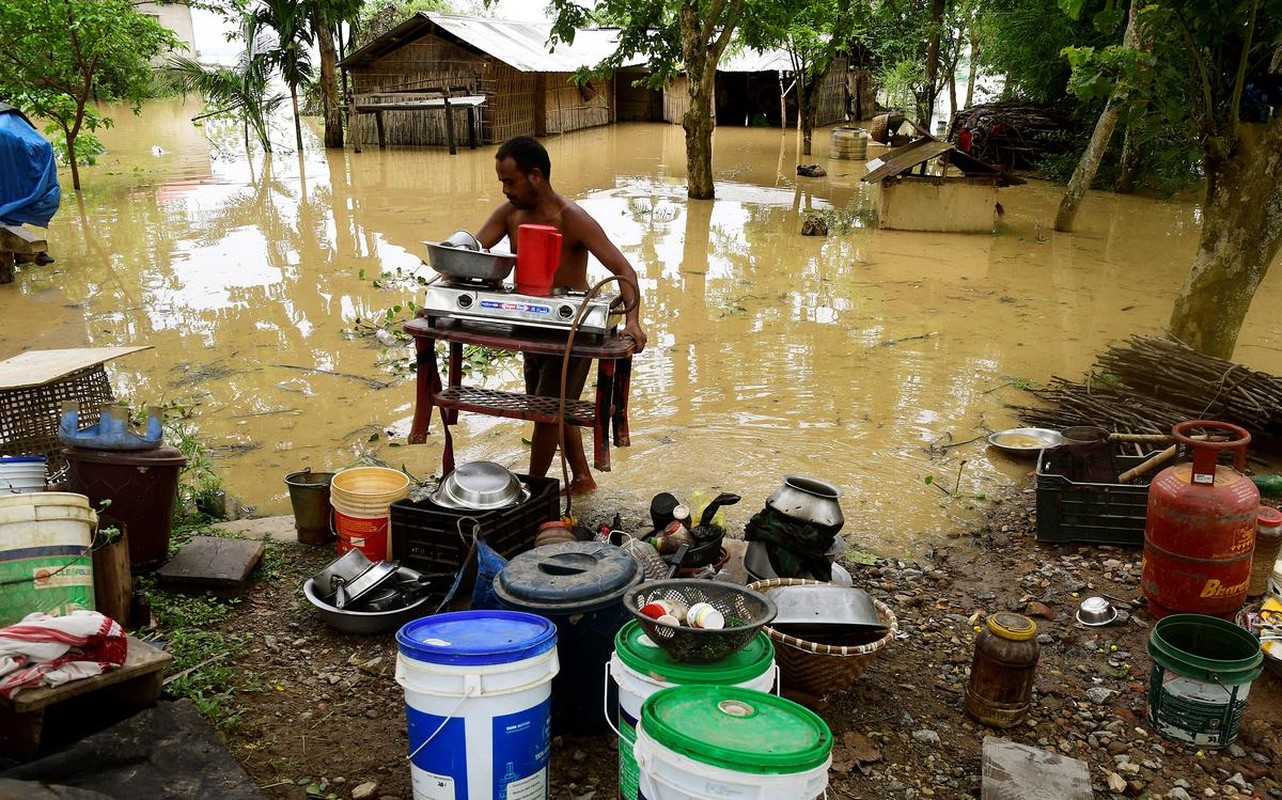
point(326, 712)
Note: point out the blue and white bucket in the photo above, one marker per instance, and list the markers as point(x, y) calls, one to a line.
point(21, 474)
point(478, 700)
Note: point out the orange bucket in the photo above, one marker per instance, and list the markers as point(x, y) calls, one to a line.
point(362, 499)
point(538, 254)
point(367, 534)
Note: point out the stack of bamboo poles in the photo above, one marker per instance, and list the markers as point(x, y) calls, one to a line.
point(1148, 384)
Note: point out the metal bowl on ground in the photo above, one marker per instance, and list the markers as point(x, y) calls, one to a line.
point(480, 486)
point(468, 264)
point(1025, 441)
point(1096, 611)
point(345, 569)
point(370, 622)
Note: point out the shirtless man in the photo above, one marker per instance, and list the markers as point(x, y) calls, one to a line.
point(524, 170)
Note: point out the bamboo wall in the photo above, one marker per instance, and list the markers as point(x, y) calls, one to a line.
point(676, 99)
point(517, 103)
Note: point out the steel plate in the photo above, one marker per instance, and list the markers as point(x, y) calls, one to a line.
point(1025, 440)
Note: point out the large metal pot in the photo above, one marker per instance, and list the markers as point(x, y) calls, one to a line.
point(808, 500)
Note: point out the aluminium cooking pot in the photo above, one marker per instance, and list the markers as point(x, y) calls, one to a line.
point(808, 500)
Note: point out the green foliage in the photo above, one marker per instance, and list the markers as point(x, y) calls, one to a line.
point(1022, 41)
point(88, 146)
point(376, 18)
point(198, 482)
point(58, 55)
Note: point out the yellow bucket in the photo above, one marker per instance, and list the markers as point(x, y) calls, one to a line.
point(362, 498)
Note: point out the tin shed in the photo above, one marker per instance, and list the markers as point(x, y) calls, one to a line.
point(505, 72)
point(928, 185)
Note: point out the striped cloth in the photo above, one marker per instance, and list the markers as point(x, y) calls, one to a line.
point(42, 650)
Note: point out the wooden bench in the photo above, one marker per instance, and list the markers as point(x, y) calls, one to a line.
point(432, 100)
point(134, 685)
point(15, 241)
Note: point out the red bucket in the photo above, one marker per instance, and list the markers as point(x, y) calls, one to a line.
point(538, 254)
point(367, 534)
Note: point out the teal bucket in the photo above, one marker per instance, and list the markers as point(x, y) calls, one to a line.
point(1203, 667)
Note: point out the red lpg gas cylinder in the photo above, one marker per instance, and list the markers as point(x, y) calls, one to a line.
point(1200, 530)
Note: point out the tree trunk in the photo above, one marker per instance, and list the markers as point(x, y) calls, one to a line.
point(1086, 167)
point(974, 61)
point(806, 115)
point(1084, 174)
point(1128, 166)
point(927, 105)
point(298, 126)
point(697, 121)
point(75, 167)
point(328, 78)
point(1241, 232)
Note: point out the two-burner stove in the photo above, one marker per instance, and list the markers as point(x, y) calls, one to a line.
point(486, 302)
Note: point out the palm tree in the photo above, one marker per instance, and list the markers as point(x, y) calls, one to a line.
point(241, 90)
point(290, 56)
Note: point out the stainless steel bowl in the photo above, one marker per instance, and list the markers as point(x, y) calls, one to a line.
point(808, 500)
point(463, 239)
point(481, 486)
point(1096, 611)
point(370, 622)
point(460, 262)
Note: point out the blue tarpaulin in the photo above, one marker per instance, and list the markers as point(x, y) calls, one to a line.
point(29, 189)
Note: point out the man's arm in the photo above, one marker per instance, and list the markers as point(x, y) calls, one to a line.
point(589, 232)
point(495, 228)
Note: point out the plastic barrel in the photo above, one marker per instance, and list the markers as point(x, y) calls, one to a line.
point(848, 143)
point(142, 486)
point(714, 742)
point(1203, 667)
point(640, 668)
point(478, 697)
point(21, 474)
point(309, 498)
point(362, 499)
point(45, 564)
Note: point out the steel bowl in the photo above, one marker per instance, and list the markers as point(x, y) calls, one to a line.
point(463, 239)
point(1096, 611)
point(808, 500)
point(460, 262)
point(480, 486)
point(369, 622)
point(1025, 441)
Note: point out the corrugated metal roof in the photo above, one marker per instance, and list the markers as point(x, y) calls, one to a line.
point(755, 61)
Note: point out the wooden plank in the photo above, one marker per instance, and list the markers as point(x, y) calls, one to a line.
point(140, 659)
point(17, 239)
point(209, 562)
point(902, 159)
point(40, 367)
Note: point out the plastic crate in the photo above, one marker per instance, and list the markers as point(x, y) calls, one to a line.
point(1100, 513)
point(425, 536)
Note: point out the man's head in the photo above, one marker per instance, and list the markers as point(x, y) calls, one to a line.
point(524, 169)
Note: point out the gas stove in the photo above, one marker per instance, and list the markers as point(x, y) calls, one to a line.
point(501, 303)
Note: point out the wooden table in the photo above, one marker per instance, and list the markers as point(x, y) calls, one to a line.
point(606, 412)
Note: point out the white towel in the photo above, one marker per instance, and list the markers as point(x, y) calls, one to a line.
point(50, 651)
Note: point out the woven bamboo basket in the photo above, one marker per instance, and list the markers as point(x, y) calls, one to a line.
point(820, 668)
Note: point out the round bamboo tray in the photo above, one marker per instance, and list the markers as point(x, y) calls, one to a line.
point(820, 668)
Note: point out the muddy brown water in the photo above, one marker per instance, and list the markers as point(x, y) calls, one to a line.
point(846, 357)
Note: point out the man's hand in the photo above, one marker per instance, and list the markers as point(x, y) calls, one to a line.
point(633, 328)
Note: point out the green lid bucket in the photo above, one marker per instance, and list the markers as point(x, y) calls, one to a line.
point(1202, 672)
point(735, 729)
point(642, 655)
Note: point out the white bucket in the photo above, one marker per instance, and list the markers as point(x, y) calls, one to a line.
point(478, 697)
point(45, 563)
point(635, 686)
point(1275, 582)
point(20, 474)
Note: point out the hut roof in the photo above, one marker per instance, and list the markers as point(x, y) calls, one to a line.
point(521, 45)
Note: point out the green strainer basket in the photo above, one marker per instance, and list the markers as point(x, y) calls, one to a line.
point(746, 612)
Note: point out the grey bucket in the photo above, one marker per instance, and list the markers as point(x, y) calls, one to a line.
point(309, 495)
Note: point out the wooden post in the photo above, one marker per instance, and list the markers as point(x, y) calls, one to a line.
point(378, 122)
point(6, 266)
point(449, 125)
point(471, 127)
point(351, 125)
point(113, 584)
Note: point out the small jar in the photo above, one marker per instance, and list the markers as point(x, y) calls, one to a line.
point(1000, 689)
point(1268, 543)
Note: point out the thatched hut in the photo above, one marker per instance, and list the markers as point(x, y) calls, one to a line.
point(504, 73)
point(749, 89)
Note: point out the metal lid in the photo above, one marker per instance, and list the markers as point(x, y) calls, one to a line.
point(1012, 626)
point(476, 638)
point(738, 729)
point(567, 577)
point(641, 654)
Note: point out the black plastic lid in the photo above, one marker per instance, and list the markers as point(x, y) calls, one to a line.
point(566, 578)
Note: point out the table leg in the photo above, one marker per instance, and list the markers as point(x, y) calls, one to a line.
point(456, 377)
point(601, 418)
point(622, 388)
point(427, 384)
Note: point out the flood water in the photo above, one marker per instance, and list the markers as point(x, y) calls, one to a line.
point(851, 358)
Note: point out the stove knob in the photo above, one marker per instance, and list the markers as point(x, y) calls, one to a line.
point(464, 301)
point(565, 311)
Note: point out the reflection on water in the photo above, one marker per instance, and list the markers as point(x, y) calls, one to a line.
point(859, 358)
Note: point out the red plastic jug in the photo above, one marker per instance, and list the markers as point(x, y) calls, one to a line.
point(538, 254)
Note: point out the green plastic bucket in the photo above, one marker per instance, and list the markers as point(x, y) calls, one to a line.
point(1202, 672)
point(714, 742)
point(640, 668)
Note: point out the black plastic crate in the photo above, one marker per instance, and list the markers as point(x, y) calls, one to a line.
point(1100, 513)
point(425, 536)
